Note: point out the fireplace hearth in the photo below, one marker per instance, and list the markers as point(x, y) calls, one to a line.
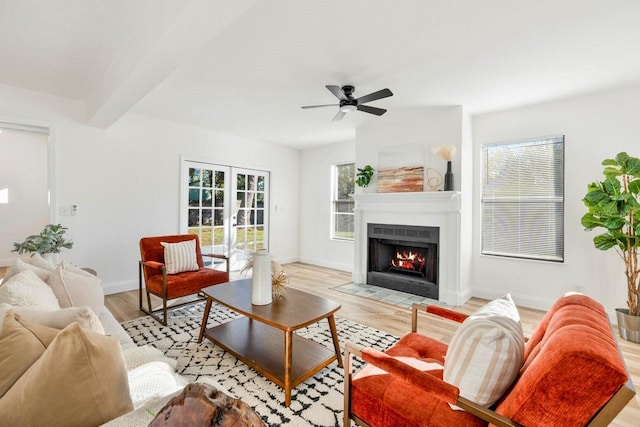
point(404, 258)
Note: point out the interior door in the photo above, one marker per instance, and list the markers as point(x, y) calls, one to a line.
point(227, 208)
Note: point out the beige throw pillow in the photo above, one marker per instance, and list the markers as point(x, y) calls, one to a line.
point(179, 257)
point(76, 290)
point(486, 352)
point(58, 319)
point(39, 261)
point(27, 289)
point(20, 265)
point(21, 344)
point(80, 380)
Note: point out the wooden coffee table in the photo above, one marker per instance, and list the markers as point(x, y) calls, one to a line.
point(264, 339)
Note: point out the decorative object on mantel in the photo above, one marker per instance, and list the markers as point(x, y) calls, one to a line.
point(434, 179)
point(364, 175)
point(614, 204)
point(50, 241)
point(446, 152)
point(401, 169)
point(277, 278)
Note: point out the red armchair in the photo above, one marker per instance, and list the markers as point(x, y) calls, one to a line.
point(573, 375)
point(152, 271)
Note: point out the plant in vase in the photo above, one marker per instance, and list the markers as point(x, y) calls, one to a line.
point(279, 278)
point(614, 204)
point(364, 175)
point(50, 241)
point(446, 153)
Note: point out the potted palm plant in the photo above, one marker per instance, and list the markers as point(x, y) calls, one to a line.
point(614, 204)
point(50, 241)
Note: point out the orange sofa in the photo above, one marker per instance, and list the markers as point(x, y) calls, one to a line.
point(573, 375)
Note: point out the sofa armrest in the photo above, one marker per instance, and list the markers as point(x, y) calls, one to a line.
point(442, 390)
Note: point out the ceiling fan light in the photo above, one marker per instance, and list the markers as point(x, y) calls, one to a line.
point(348, 108)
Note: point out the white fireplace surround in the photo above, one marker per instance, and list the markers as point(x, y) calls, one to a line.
point(433, 209)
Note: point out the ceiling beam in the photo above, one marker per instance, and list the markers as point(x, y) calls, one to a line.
point(147, 61)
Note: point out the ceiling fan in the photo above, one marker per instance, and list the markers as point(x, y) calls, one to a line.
point(348, 103)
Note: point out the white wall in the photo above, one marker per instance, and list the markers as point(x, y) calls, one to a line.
point(595, 127)
point(125, 180)
point(426, 126)
point(316, 245)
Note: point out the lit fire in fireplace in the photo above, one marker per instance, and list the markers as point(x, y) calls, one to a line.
point(409, 260)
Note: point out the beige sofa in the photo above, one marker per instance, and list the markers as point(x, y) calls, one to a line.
point(63, 308)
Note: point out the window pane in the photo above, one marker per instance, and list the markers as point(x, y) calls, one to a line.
point(207, 180)
point(342, 204)
point(241, 182)
point(218, 217)
point(206, 238)
point(523, 199)
point(207, 198)
point(206, 217)
point(194, 177)
point(194, 217)
point(194, 197)
point(219, 177)
point(345, 181)
point(344, 226)
point(219, 198)
point(261, 183)
point(344, 207)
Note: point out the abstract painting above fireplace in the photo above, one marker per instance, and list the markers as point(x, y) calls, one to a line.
point(404, 258)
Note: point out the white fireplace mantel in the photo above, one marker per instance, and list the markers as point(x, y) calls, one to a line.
point(435, 209)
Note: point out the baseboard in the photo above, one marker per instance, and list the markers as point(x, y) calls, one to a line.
point(117, 287)
point(522, 300)
point(326, 263)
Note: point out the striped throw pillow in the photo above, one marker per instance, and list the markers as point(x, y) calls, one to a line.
point(486, 352)
point(179, 257)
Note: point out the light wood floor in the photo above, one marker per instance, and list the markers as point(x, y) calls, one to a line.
point(392, 319)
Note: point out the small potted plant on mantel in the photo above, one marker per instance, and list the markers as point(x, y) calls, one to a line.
point(614, 204)
point(50, 241)
point(364, 175)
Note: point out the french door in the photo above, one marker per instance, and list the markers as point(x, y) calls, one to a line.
point(227, 208)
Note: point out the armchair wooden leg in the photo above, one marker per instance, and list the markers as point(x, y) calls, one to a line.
point(347, 380)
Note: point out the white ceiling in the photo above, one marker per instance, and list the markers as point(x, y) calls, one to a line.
point(246, 67)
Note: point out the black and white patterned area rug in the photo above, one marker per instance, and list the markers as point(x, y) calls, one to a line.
point(316, 402)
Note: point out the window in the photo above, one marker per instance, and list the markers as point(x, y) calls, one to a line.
point(343, 178)
point(523, 199)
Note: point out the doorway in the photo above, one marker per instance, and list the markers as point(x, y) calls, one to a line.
point(25, 171)
point(227, 207)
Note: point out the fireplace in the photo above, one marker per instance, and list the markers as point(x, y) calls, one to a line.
point(439, 209)
point(404, 258)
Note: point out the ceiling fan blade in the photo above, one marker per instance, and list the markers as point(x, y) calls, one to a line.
point(318, 106)
point(337, 91)
point(384, 93)
point(371, 110)
point(338, 116)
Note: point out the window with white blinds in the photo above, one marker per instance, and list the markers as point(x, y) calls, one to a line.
point(523, 199)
